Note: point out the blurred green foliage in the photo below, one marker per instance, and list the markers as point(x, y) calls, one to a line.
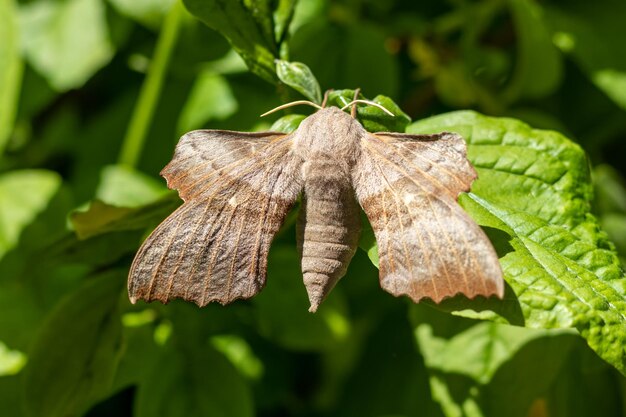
point(94, 95)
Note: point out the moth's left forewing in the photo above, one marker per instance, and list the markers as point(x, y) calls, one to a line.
point(237, 188)
point(428, 246)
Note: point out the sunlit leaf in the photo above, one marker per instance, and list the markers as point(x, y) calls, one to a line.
point(287, 124)
point(147, 12)
point(299, 77)
point(66, 41)
point(10, 69)
point(211, 98)
point(23, 195)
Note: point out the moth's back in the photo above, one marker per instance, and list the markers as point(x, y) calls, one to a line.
point(330, 133)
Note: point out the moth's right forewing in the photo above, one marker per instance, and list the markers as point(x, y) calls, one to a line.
point(237, 188)
point(427, 245)
point(202, 156)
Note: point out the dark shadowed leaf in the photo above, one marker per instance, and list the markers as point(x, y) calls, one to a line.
point(249, 27)
point(73, 360)
point(538, 65)
point(283, 304)
point(351, 56)
point(189, 383)
point(593, 36)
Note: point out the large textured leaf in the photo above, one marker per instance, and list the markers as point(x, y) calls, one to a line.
point(255, 29)
point(67, 41)
point(533, 199)
point(23, 195)
point(10, 69)
point(73, 361)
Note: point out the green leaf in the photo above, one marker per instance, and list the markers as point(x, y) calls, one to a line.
point(538, 66)
point(352, 55)
point(10, 396)
point(388, 353)
point(11, 361)
point(299, 77)
point(287, 124)
point(239, 353)
point(125, 199)
point(140, 354)
point(10, 70)
point(283, 15)
point(147, 12)
point(100, 218)
point(249, 27)
point(193, 382)
point(610, 203)
point(593, 37)
point(125, 187)
point(283, 307)
point(211, 98)
point(66, 41)
point(615, 225)
point(23, 195)
point(373, 118)
point(471, 365)
point(73, 360)
point(533, 200)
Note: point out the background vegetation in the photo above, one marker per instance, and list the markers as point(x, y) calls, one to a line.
point(93, 97)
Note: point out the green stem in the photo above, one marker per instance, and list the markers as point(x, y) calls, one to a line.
point(151, 88)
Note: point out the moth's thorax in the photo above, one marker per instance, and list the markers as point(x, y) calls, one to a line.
point(329, 133)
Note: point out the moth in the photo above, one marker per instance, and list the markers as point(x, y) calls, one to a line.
point(238, 187)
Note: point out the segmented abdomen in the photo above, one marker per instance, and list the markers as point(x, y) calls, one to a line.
point(328, 228)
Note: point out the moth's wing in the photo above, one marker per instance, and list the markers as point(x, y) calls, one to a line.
point(237, 189)
point(200, 153)
point(428, 246)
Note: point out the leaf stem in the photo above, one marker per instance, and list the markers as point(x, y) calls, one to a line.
point(151, 89)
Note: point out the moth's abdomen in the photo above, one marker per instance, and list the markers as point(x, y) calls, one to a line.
point(328, 229)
